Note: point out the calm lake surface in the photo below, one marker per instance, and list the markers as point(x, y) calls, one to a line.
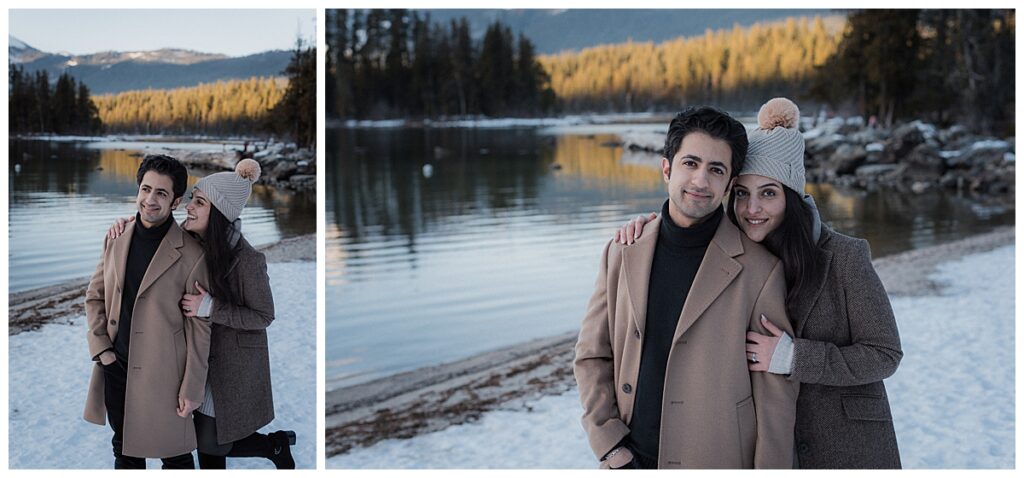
point(65, 195)
point(444, 243)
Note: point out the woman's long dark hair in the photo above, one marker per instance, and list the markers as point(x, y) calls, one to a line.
point(793, 243)
point(219, 254)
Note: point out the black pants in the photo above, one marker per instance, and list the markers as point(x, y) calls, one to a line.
point(643, 462)
point(640, 460)
point(212, 455)
point(115, 380)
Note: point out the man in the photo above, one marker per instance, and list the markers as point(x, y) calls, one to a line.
point(661, 360)
point(151, 361)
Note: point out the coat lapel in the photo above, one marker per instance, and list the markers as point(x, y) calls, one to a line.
point(636, 261)
point(803, 308)
point(166, 255)
point(716, 272)
point(120, 253)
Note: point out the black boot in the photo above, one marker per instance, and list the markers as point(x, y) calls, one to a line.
point(211, 462)
point(276, 447)
point(281, 454)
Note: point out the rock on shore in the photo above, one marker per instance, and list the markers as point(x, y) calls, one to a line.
point(914, 157)
point(283, 165)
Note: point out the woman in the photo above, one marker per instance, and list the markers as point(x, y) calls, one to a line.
point(240, 306)
point(846, 336)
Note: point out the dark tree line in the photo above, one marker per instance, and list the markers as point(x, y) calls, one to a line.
point(35, 106)
point(942, 65)
point(387, 63)
point(295, 115)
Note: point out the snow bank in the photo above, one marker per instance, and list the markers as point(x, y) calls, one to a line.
point(547, 435)
point(49, 376)
point(989, 144)
point(484, 122)
point(952, 397)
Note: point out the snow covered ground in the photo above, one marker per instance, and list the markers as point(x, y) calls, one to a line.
point(484, 122)
point(952, 397)
point(49, 377)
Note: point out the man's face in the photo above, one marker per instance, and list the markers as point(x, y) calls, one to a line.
point(697, 178)
point(156, 198)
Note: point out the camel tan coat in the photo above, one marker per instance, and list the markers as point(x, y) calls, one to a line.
point(715, 413)
point(167, 357)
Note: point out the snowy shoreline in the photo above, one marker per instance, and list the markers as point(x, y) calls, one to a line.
point(410, 419)
point(508, 122)
point(31, 309)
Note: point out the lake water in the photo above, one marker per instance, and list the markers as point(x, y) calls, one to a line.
point(63, 196)
point(444, 243)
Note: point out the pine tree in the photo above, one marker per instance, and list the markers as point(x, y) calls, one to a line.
point(43, 114)
point(463, 59)
point(88, 115)
point(295, 114)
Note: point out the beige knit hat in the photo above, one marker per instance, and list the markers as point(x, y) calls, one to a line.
point(777, 147)
point(229, 191)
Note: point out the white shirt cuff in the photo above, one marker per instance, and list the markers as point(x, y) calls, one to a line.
point(782, 357)
point(205, 306)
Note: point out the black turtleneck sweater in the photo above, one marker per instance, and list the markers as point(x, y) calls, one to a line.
point(140, 253)
point(677, 257)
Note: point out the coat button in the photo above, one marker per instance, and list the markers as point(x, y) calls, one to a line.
point(804, 448)
point(113, 322)
point(636, 333)
point(627, 388)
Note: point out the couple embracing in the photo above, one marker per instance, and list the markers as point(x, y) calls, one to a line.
point(752, 336)
point(177, 321)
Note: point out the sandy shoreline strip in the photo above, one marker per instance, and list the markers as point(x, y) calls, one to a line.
point(436, 397)
point(30, 309)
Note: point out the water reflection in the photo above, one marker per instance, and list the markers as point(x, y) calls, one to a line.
point(63, 197)
point(444, 243)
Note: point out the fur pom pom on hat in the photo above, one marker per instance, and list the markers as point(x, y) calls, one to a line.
point(249, 169)
point(229, 191)
point(778, 112)
point(776, 147)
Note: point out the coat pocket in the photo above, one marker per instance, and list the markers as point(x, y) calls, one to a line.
point(252, 340)
point(746, 419)
point(873, 408)
point(180, 351)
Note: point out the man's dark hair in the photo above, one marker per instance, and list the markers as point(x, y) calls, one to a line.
point(714, 123)
point(167, 166)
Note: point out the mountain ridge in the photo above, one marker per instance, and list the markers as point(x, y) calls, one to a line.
point(555, 31)
point(117, 71)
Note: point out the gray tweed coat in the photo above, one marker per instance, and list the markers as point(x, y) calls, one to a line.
point(239, 374)
point(847, 342)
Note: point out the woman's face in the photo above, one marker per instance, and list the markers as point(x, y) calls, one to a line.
point(198, 213)
point(760, 205)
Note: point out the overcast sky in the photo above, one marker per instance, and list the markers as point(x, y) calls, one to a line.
point(230, 32)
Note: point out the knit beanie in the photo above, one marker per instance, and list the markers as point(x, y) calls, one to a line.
point(776, 147)
point(229, 191)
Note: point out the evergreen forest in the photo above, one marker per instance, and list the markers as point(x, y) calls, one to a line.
point(944, 66)
point(36, 106)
